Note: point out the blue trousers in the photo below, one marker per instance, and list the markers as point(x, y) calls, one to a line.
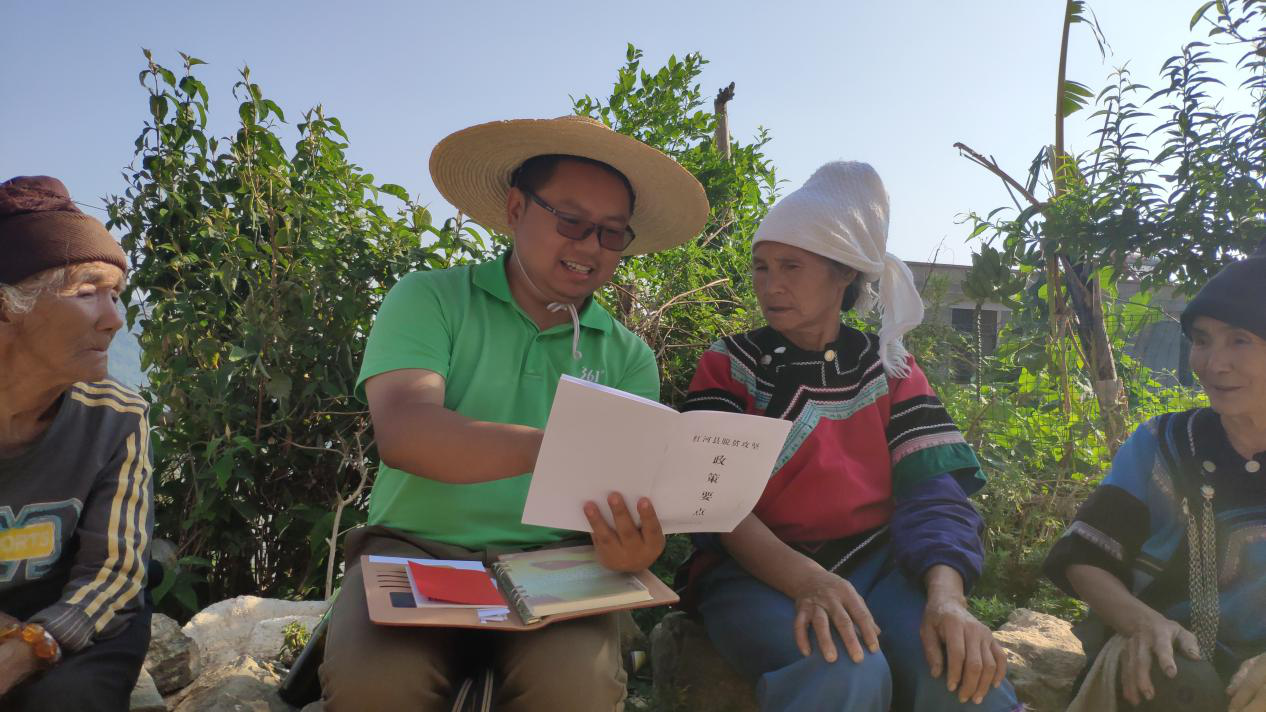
point(750, 624)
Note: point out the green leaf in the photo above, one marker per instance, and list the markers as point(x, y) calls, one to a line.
point(158, 108)
point(395, 190)
point(1200, 13)
point(279, 386)
point(223, 469)
point(1075, 97)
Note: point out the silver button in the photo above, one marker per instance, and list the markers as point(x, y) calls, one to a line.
point(1209, 466)
point(766, 360)
point(780, 349)
point(1252, 466)
point(829, 355)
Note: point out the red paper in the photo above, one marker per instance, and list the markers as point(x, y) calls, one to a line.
point(441, 583)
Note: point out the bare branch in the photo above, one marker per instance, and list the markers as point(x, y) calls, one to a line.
point(994, 168)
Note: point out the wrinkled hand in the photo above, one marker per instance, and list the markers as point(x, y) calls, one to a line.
point(1248, 687)
point(961, 646)
point(824, 600)
point(1154, 640)
point(17, 662)
point(626, 547)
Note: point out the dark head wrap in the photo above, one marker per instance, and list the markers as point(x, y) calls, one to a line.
point(1235, 296)
point(41, 229)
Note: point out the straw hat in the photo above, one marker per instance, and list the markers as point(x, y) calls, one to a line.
point(472, 167)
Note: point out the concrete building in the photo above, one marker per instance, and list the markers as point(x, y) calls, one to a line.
point(1157, 343)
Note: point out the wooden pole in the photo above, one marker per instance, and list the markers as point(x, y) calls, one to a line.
point(722, 137)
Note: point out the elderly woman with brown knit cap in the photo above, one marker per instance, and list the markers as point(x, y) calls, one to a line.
point(1170, 550)
point(76, 500)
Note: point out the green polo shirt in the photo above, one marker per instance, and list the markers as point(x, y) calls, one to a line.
point(497, 366)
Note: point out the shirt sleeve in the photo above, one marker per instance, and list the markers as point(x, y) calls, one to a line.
point(411, 330)
point(923, 440)
point(1113, 523)
point(934, 523)
point(107, 578)
point(642, 376)
point(713, 386)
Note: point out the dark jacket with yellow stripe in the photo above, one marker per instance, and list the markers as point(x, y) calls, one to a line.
point(77, 506)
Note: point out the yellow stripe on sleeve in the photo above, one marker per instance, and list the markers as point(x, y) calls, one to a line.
point(109, 388)
point(106, 402)
point(136, 508)
point(126, 474)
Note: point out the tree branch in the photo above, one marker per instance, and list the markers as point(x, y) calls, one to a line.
point(992, 166)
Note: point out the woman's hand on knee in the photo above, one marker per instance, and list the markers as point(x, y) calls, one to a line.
point(1248, 687)
point(825, 601)
point(963, 647)
point(1152, 641)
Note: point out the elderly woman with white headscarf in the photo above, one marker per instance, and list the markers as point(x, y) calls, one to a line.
point(864, 539)
point(76, 503)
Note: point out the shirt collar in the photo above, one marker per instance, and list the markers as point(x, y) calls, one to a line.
point(491, 277)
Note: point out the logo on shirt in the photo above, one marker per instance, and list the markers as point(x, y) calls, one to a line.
point(592, 375)
point(34, 537)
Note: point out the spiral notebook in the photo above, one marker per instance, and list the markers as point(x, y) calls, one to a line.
point(537, 588)
point(552, 581)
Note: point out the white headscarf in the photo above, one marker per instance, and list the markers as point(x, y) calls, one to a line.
point(841, 213)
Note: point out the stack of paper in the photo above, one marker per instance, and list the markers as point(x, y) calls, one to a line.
point(456, 584)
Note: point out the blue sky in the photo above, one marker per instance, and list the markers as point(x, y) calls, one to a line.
point(892, 83)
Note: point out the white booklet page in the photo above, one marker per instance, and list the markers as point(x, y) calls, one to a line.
point(704, 470)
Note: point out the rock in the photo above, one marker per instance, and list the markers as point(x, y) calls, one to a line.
point(631, 635)
point(1043, 658)
point(145, 697)
point(634, 645)
point(165, 553)
point(244, 685)
point(247, 625)
point(690, 674)
point(268, 637)
point(173, 657)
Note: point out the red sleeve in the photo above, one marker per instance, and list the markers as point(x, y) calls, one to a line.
point(914, 385)
point(713, 386)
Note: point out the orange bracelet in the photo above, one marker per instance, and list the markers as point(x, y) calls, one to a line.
point(42, 643)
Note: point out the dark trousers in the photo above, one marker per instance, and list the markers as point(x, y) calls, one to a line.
point(98, 678)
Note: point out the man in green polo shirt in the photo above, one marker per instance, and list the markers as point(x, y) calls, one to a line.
point(459, 374)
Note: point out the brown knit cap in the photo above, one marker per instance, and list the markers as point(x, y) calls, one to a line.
point(40, 229)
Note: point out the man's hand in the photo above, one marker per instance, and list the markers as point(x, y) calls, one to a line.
point(626, 547)
point(1248, 687)
point(956, 643)
point(17, 662)
point(823, 600)
point(1152, 640)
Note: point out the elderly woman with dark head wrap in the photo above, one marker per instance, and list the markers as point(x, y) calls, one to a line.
point(1170, 550)
point(76, 501)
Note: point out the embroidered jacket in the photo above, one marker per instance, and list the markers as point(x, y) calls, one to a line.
point(1133, 525)
point(867, 455)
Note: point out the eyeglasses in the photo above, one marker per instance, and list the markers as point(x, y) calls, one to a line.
point(577, 228)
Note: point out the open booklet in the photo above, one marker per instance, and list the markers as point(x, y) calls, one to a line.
point(519, 591)
point(703, 470)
